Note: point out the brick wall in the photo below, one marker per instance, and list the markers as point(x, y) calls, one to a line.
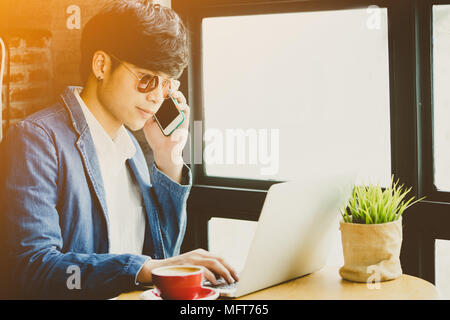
point(44, 37)
point(31, 73)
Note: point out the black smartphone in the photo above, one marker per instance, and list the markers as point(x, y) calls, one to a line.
point(168, 116)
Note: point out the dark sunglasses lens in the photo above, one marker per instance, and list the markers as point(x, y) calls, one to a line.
point(147, 83)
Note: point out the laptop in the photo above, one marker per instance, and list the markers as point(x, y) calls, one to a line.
point(293, 234)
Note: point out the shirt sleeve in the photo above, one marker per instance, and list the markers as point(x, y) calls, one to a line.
point(171, 198)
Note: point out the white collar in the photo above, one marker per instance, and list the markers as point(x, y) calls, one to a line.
point(121, 146)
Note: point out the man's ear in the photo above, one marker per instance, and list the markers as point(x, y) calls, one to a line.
point(100, 62)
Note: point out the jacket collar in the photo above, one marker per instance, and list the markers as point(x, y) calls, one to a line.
point(85, 146)
point(74, 109)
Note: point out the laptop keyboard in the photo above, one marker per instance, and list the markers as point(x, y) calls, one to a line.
point(221, 284)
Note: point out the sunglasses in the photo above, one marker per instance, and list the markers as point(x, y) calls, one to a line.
point(149, 82)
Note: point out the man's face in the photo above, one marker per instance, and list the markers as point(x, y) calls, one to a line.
point(119, 95)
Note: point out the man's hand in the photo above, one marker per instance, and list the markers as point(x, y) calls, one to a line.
point(211, 265)
point(167, 150)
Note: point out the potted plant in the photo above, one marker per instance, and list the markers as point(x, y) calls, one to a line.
point(371, 230)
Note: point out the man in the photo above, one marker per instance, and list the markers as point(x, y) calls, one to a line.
point(82, 216)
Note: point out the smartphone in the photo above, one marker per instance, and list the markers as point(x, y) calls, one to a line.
point(168, 116)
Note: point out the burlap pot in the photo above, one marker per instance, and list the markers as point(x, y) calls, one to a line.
point(371, 251)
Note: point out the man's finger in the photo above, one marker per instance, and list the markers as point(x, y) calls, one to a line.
point(209, 276)
point(175, 85)
point(179, 96)
point(227, 266)
point(215, 266)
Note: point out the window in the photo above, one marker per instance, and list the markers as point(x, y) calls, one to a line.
point(442, 252)
point(317, 85)
point(441, 96)
point(297, 91)
point(231, 239)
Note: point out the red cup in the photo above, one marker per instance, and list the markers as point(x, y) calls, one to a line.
point(182, 282)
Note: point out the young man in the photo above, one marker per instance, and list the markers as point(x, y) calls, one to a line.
point(82, 215)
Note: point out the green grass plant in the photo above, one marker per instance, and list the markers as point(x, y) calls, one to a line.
point(369, 204)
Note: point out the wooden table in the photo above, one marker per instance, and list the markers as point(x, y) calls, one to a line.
point(326, 284)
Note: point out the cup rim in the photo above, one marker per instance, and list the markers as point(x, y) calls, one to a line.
point(157, 271)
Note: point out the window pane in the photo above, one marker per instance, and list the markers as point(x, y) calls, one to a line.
point(231, 239)
point(441, 103)
point(297, 90)
point(443, 268)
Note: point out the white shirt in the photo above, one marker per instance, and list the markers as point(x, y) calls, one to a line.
point(125, 209)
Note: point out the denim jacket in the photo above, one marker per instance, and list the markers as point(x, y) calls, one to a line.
point(54, 209)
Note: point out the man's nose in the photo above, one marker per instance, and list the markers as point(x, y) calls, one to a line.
point(156, 96)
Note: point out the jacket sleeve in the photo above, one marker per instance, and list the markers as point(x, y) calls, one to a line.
point(171, 198)
point(29, 197)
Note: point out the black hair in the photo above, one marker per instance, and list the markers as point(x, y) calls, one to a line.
point(147, 35)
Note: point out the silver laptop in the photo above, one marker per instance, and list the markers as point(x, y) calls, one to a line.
point(294, 233)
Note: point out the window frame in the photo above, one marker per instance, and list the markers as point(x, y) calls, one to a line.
point(426, 221)
point(425, 46)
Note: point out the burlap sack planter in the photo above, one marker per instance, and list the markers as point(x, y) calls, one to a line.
point(371, 251)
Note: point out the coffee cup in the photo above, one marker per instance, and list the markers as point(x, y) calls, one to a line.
point(180, 282)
